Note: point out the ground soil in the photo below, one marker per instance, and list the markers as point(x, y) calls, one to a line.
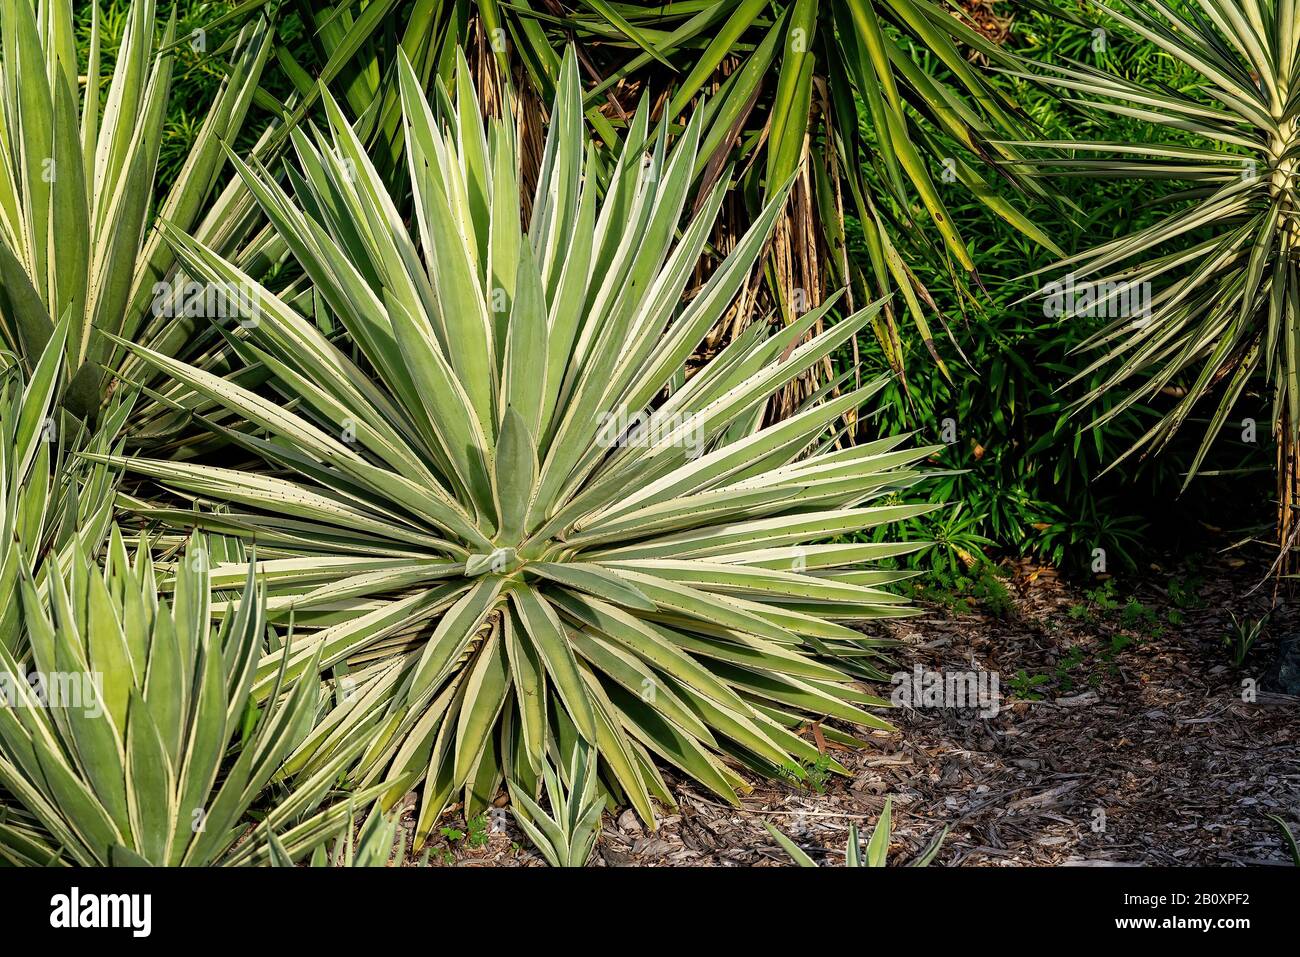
point(1145, 746)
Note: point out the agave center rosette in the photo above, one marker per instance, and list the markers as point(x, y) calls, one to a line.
point(496, 507)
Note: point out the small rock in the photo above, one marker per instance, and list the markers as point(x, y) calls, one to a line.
point(1283, 676)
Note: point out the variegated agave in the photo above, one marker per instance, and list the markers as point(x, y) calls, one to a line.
point(461, 520)
point(567, 835)
point(48, 497)
point(77, 184)
point(118, 752)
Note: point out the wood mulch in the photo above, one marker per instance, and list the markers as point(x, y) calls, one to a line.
point(1141, 750)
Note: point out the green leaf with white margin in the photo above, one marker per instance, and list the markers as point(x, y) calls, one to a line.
point(486, 688)
point(878, 846)
point(516, 476)
point(543, 627)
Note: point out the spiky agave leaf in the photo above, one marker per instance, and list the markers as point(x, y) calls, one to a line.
point(502, 524)
point(48, 496)
point(77, 182)
point(1219, 271)
point(119, 749)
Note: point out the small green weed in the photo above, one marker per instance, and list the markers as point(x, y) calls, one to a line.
point(1023, 685)
point(1242, 637)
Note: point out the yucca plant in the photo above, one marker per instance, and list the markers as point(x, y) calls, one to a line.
point(511, 521)
point(77, 181)
point(118, 720)
point(877, 853)
point(566, 835)
point(1215, 281)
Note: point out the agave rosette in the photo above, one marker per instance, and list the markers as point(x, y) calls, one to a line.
point(496, 510)
point(118, 753)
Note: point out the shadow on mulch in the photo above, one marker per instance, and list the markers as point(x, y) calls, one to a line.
point(1134, 741)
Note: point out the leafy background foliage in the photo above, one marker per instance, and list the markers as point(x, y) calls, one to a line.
point(1034, 482)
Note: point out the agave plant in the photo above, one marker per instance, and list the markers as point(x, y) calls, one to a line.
point(1214, 282)
point(117, 722)
point(510, 521)
point(77, 184)
point(567, 835)
point(378, 842)
point(877, 853)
